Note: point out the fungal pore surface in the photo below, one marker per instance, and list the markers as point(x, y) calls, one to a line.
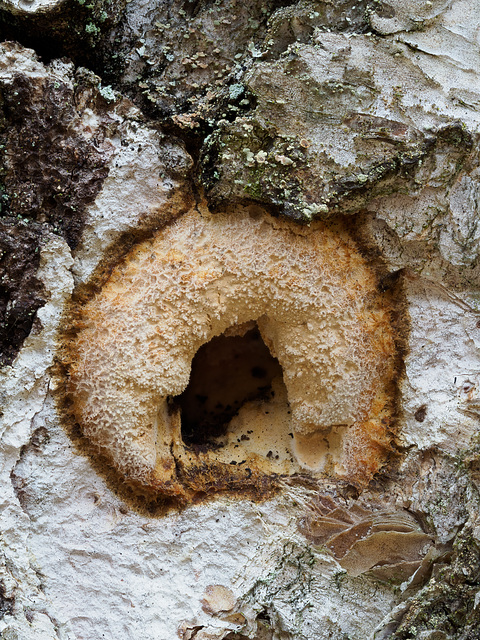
point(233, 348)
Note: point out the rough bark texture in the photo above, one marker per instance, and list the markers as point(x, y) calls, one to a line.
point(122, 124)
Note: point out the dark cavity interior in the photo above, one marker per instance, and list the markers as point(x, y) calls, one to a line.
point(226, 372)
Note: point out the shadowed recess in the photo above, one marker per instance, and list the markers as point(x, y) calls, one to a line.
point(226, 372)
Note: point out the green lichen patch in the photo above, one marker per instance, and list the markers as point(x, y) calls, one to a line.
point(189, 51)
point(257, 164)
point(448, 604)
point(291, 579)
point(185, 56)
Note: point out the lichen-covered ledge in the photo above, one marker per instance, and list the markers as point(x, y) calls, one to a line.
point(325, 407)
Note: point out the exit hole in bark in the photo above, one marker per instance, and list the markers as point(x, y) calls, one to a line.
point(227, 372)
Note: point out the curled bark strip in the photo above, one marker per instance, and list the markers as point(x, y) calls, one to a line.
point(388, 544)
point(316, 304)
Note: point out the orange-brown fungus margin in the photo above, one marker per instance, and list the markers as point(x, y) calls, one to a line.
point(127, 350)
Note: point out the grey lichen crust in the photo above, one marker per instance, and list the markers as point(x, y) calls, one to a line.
point(140, 121)
point(329, 131)
point(448, 606)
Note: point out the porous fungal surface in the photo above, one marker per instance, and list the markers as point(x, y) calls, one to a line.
point(315, 303)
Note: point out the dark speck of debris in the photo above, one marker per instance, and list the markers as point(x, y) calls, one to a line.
point(421, 413)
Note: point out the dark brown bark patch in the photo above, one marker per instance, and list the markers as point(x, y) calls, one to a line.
point(52, 170)
point(21, 293)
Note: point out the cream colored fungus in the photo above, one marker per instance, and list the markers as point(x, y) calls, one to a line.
point(316, 304)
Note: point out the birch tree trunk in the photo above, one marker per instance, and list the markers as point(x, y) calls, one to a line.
point(239, 320)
